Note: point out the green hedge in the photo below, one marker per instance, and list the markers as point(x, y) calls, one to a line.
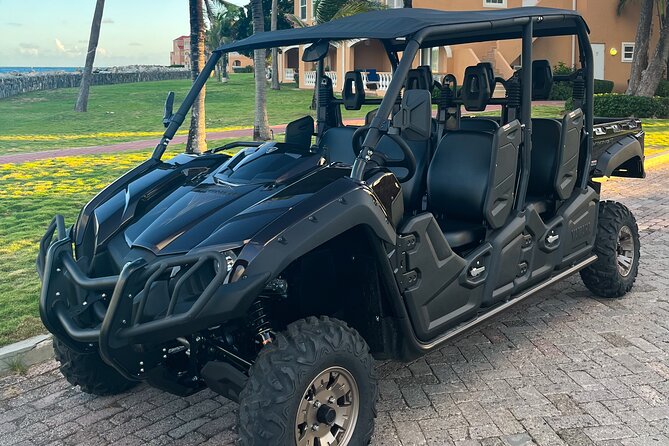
point(603, 86)
point(613, 105)
point(663, 89)
point(561, 91)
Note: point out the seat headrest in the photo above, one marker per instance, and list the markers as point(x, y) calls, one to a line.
point(414, 118)
point(542, 80)
point(487, 67)
point(353, 100)
point(426, 71)
point(419, 79)
point(475, 92)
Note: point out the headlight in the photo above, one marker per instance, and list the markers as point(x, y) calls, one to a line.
point(230, 259)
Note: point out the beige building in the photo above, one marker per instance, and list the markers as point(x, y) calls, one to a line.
point(237, 61)
point(180, 54)
point(612, 37)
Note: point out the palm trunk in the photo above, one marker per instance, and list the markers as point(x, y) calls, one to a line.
point(82, 98)
point(260, 124)
point(225, 67)
point(643, 32)
point(275, 51)
point(651, 76)
point(197, 132)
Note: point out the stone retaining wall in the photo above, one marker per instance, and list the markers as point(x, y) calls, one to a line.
point(13, 85)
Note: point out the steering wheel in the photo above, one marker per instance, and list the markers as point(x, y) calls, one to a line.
point(408, 162)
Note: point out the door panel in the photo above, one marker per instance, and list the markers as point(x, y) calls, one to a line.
point(438, 289)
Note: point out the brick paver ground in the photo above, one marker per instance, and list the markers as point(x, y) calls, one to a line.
point(560, 368)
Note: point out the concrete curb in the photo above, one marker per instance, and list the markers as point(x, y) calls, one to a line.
point(26, 353)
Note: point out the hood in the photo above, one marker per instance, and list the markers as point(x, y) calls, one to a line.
point(229, 204)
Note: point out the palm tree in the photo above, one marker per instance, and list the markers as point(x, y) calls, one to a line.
point(646, 72)
point(275, 51)
point(197, 132)
point(82, 97)
point(260, 124)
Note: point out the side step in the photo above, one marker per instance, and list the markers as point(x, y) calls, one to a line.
point(514, 300)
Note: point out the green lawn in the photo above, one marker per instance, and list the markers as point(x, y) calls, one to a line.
point(31, 193)
point(45, 120)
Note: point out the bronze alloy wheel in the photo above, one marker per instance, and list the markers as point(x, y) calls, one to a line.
point(625, 251)
point(328, 412)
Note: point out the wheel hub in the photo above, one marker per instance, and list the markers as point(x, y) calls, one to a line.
point(328, 411)
point(326, 414)
point(625, 252)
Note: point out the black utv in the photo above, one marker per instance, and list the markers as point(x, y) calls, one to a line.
point(276, 275)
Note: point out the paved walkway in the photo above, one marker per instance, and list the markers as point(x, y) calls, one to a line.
point(561, 368)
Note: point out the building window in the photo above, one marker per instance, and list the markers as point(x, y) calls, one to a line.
point(396, 3)
point(627, 51)
point(313, 9)
point(494, 3)
point(303, 9)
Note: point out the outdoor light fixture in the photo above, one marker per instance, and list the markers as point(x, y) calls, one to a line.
point(613, 51)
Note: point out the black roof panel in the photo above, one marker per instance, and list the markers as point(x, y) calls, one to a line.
point(397, 23)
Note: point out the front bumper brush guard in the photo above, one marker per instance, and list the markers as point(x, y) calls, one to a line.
point(65, 286)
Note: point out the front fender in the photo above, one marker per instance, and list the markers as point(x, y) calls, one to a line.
point(335, 209)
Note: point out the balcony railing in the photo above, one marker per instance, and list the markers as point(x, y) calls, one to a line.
point(310, 78)
point(381, 84)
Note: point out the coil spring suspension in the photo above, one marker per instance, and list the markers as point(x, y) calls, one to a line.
point(260, 322)
point(513, 94)
point(445, 97)
point(578, 91)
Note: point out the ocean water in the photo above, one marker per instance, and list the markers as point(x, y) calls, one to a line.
point(35, 69)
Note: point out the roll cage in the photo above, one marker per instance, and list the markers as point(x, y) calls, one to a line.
point(427, 29)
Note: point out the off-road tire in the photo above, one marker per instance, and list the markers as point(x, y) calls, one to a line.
point(285, 368)
point(89, 371)
point(603, 277)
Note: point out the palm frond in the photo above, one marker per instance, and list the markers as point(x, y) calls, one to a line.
point(295, 21)
point(621, 6)
point(352, 7)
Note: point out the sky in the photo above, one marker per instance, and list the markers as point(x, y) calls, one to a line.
point(50, 33)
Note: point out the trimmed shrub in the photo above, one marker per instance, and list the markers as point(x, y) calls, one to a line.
point(246, 69)
point(663, 89)
point(603, 86)
point(561, 91)
point(613, 105)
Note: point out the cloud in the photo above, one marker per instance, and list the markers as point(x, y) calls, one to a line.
point(101, 51)
point(14, 24)
point(134, 44)
point(68, 51)
point(107, 21)
point(59, 46)
point(29, 49)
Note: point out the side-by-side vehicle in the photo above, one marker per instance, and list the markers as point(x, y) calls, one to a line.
point(275, 275)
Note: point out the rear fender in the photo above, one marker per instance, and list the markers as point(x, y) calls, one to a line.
point(623, 158)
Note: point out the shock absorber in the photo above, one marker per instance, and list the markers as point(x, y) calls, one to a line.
point(260, 322)
point(578, 91)
point(513, 94)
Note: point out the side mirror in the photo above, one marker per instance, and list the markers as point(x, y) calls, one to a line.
point(316, 51)
point(169, 105)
